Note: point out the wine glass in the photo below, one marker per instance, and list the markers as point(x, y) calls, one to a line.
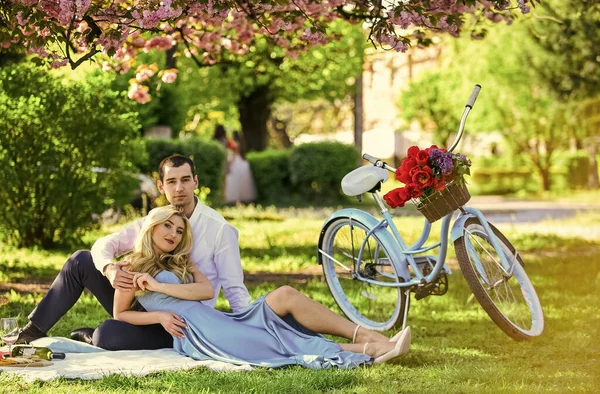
point(9, 331)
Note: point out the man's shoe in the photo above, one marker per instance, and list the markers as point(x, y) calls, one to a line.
point(29, 333)
point(84, 334)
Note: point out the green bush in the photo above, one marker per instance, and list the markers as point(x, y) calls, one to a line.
point(209, 158)
point(317, 169)
point(67, 151)
point(271, 173)
point(501, 181)
point(578, 167)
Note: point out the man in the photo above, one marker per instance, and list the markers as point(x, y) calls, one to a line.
point(215, 252)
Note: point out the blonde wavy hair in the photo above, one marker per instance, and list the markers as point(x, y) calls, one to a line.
point(144, 258)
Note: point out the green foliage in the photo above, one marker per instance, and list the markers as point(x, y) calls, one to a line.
point(430, 100)
point(326, 72)
point(569, 33)
point(209, 158)
point(67, 151)
point(317, 169)
point(574, 168)
point(271, 173)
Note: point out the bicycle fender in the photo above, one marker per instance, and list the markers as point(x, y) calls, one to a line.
point(385, 237)
point(458, 227)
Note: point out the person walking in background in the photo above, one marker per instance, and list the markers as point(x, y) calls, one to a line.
point(239, 182)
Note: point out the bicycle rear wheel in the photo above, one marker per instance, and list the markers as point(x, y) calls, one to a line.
point(508, 296)
point(372, 306)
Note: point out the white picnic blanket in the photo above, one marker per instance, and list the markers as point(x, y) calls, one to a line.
point(88, 362)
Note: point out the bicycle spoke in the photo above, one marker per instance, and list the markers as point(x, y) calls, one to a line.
point(497, 281)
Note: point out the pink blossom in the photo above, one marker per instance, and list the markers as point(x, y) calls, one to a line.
point(148, 19)
point(59, 63)
point(523, 6)
point(144, 73)
point(169, 76)
point(160, 43)
point(106, 67)
point(139, 93)
point(20, 20)
point(44, 32)
point(40, 51)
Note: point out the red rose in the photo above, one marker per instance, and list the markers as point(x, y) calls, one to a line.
point(413, 171)
point(413, 190)
point(423, 157)
point(423, 178)
point(412, 151)
point(402, 175)
point(396, 198)
point(403, 172)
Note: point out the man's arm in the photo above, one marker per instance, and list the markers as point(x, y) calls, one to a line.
point(106, 249)
point(229, 268)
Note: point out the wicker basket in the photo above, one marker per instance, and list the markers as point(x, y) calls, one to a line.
point(441, 203)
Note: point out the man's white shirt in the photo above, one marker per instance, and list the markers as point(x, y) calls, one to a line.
point(215, 252)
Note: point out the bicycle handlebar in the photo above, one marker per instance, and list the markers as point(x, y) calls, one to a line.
point(370, 159)
point(474, 94)
point(463, 119)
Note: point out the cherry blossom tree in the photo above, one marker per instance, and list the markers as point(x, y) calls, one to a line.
point(71, 32)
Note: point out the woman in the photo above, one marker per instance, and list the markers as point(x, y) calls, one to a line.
point(239, 182)
point(170, 287)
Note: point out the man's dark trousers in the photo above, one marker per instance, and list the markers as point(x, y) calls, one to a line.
point(79, 273)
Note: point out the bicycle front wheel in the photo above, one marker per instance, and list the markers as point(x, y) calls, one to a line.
point(372, 306)
point(507, 295)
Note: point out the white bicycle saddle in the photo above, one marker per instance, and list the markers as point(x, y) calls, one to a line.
point(363, 179)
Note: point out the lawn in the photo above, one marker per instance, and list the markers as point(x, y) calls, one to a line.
point(456, 347)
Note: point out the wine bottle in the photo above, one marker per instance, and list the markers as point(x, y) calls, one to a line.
point(42, 352)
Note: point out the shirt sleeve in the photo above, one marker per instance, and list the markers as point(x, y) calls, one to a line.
point(106, 249)
point(229, 268)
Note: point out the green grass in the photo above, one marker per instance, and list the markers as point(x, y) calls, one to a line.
point(456, 347)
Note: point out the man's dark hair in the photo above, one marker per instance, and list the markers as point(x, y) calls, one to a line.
point(174, 161)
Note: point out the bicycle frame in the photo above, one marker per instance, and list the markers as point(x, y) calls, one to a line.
point(403, 256)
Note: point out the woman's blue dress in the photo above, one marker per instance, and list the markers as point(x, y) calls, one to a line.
point(255, 335)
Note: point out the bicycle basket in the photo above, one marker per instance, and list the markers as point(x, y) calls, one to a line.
point(443, 202)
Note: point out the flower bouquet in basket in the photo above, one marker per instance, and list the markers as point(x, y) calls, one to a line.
point(434, 181)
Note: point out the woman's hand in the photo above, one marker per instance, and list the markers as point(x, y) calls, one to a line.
point(172, 323)
point(145, 282)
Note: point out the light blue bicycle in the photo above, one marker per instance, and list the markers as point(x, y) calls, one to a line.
point(371, 271)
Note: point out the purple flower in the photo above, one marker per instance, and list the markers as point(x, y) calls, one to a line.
point(445, 164)
point(435, 154)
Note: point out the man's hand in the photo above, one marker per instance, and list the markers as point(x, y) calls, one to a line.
point(172, 323)
point(118, 277)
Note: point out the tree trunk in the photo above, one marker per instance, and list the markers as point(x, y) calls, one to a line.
point(593, 181)
point(546, 178)
point(278, 131)
point(255, 110)
point(171, 60)
point(358, 116)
